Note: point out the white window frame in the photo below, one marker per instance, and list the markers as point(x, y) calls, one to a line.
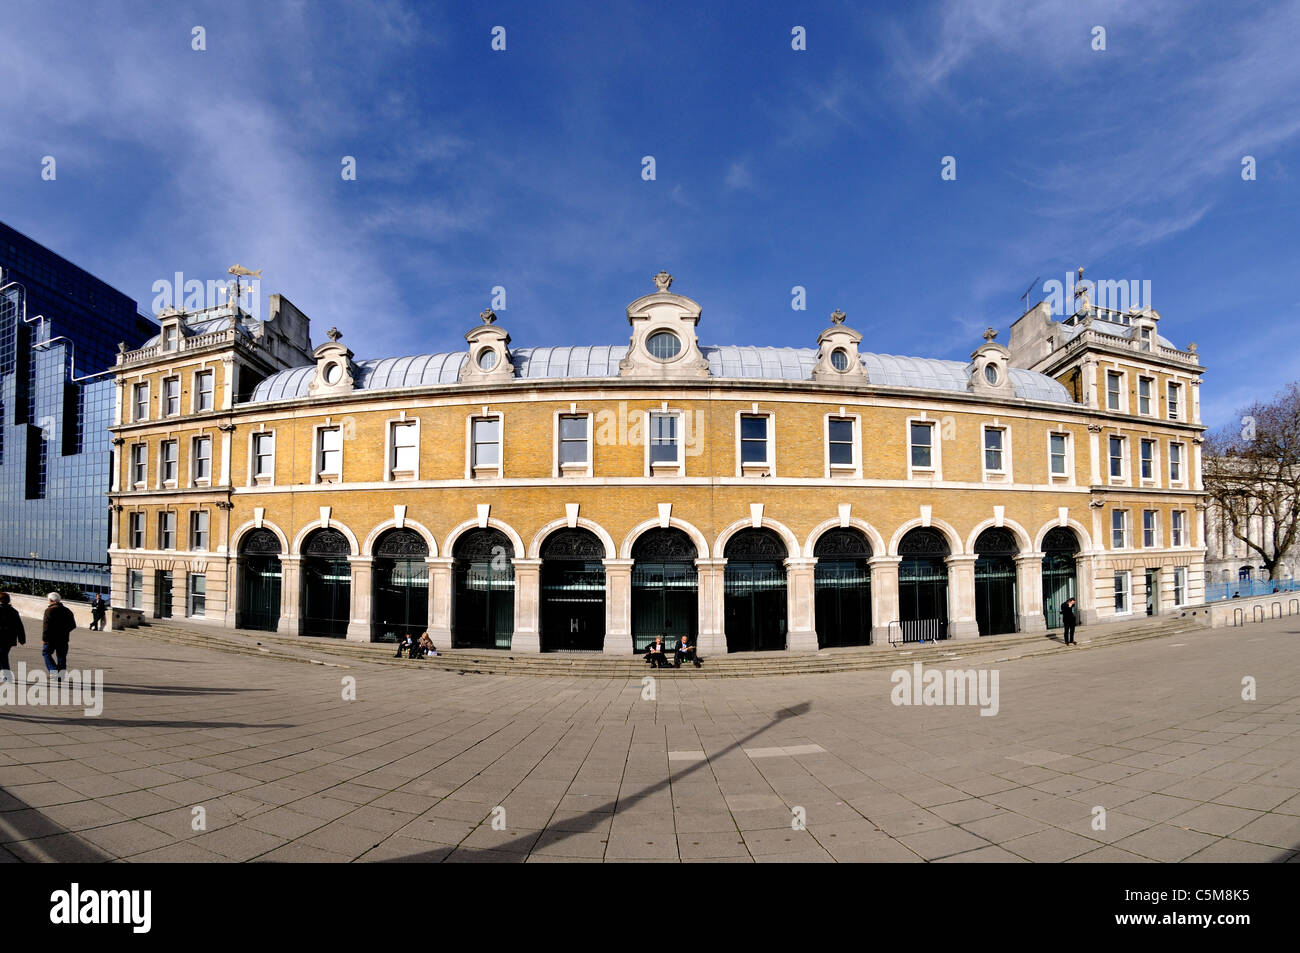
point(489, 470)
point(165, 399)
point(666, 467)
point(1178, 528)
point(852, 470)
point(254, 479)
point(196, 517)
point(1124, 463)
point(1174, 407)
point(139, 468)
point(162, 534)
point(1154, 478)
point(1124, 528)
point(135, 588)
point(1127, 591)
point(135, 530)
point(1002, 475)
point(137, 390)
point(195, 457)
point(1180, 586)
point(1151, 530)
point(163, 480)
point(196, 392)
point(1181, 463)
point(935, 470)
point(1068, 475)
point(391, 473)
point(319, 475)
point(190, 594)
point(1150, 396)
point(171, 336)
point(765, 467)
point(573, 468)
point(1122, 394)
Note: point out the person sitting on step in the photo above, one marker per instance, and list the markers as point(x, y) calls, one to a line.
point(655, 656)
point(684, 651)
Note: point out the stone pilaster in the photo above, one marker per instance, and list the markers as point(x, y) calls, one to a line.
point(801, 630)
point(618, 606)
point(884, 596)
point(1029, 590)
point(961, 598)
point(527, 636)
point(712, 638)
point(440, 585)
point(359, 623)
point(290, 594)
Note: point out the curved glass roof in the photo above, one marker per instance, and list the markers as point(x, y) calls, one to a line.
point(734, 362)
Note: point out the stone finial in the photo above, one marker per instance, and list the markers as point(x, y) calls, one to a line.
point(990, 334)
point(121, 347)
point(488, 315)
point(334, 334)
point(663, 280)
point(838, 316)
point(1191, 348)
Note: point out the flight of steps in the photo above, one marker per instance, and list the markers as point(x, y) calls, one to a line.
point(338, 652)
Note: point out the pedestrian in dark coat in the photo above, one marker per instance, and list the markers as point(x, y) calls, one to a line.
point(11, 634)
point(1069, 616)
point(97, 612)
point(55, 632)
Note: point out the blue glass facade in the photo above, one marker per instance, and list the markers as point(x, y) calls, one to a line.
point(59, 331)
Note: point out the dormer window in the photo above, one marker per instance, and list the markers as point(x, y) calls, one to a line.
point(487, 359)
point(840, 359)
point(1144, 338)
point(991, 374)
point(663, 345)
point(333, 373)
point(171, 334)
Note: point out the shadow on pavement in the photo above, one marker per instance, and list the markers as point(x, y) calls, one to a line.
point(28, 835)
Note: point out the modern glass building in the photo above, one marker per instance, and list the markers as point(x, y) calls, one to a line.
point(59, 333)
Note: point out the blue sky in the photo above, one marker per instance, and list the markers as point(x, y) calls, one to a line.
point(774, 167)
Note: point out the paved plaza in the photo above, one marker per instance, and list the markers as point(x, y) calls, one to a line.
point(786, 768)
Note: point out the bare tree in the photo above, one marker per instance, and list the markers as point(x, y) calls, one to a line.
point(1252, 474)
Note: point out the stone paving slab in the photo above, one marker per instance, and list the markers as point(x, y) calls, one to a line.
point(767, 769)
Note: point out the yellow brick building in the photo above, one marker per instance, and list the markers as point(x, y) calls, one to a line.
point(589, 498)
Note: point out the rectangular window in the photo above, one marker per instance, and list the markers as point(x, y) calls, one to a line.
point(1176, 528)
point(1148, 459)
point(166, 530)
point(139, 463)
point(170, 337)
point(839, 434)
point(203, 391)
point(140, 400)
point(1175, 463)
point(1172, 393)
point(135, 530)
point(168, 461)
point(574, 443)
point(1058, 448)
point(1118, 529)
point(135, 588)
point(922, 446)
point(1150, 520)
point(263, 455)
point(199, 530)
point(1144, 394)
point(993, 449)
point(1180, 585)
point(198, 595)
point(1144, 338)
point(753, 439)
point(202, 458)
point(1113, 383)
point(329, 451)
point(663, 439)
point(1121, 592)
point(1117, 456)
point(406, 447)
point(487, 441)
point(171, 396)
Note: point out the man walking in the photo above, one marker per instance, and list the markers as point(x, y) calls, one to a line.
point(55, 630)
point(1069, 617)
point(11, 634)
point(97, 612)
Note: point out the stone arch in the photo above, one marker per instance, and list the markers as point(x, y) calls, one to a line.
point(237, 537)
point(1081, 534)
point(332, 524)
point(943, 528)
point(535, 547)
point(701, 544)
point(791, 542)
point(873, 535)
point(492, 523)
point(368, 549)
point(1023, 540)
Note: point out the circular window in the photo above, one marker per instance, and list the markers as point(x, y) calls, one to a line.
point(333, 373)
point(991, 373)
point(840, 359)
point(663, 345)
point(487, 359)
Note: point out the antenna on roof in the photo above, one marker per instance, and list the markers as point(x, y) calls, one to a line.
point(1025, 297)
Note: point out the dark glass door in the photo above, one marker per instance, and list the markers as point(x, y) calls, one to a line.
point(259, 593)
point(843, 602)
point(483, 606)
point(573, 605)
point(665, 601)
point(163, 583)
point(923, 598)
point(326, 597)
point(401, 603)
point(995, 595)
point(1059, 586)
point(755, 606)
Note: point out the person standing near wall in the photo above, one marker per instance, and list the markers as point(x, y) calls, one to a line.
point(11, 634)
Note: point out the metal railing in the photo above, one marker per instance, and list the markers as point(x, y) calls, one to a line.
point(917, 630)
point(1244, 588)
